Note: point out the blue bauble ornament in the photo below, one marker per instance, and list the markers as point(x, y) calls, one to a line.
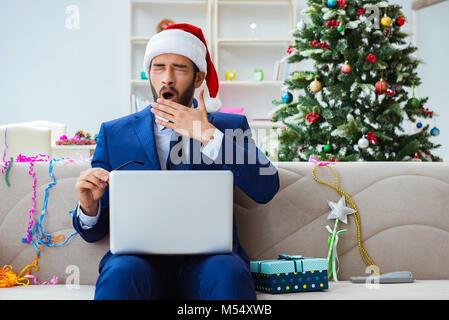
point(419, 125)
point(331, 3)
point(287, 97)
point(435, 131)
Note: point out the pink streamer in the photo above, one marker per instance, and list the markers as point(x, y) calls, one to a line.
point(53, 281)
point(33, 199)
point(320, 163)
point(5, 166)
point(31, 160)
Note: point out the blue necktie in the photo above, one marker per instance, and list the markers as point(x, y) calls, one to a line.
point(173, 141)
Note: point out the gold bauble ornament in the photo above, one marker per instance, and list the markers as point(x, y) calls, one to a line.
point(315, 86)
point(386, 20)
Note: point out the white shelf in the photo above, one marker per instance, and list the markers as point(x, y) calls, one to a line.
point(253, 1)
point(251, 82)
point(253, 41)
point(140, 82)
point(139, 39)
point(72, 151)
point(264, 124)
point(144, 16)
point(74, 147)
point(233, 45)
point(168, 1)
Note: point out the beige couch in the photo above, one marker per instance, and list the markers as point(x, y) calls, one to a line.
point(403, 209)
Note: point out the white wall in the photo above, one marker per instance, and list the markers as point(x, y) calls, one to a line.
point(428, 33)
point(433, 47)
point(48, 72)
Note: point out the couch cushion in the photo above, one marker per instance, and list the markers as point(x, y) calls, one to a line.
point(403, 208)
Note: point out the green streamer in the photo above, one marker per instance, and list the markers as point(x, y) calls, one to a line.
point(7, 171)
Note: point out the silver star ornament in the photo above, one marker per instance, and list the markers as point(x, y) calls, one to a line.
point(339, 210)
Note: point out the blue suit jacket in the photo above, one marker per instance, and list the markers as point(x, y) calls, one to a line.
point(131, 138)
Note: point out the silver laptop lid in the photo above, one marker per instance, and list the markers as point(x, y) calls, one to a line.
point(171, 212)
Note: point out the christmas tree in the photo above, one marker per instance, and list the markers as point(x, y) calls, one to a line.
point(353, 106)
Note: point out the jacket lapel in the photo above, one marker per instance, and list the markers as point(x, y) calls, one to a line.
point(143, 126)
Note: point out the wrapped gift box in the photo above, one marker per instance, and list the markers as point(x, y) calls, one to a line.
point(290, 274)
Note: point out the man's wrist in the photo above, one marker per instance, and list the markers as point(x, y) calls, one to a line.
point(207, 134)
point(92, 211)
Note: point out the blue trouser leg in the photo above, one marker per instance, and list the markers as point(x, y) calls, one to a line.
point(133, 277)
point(216, 277)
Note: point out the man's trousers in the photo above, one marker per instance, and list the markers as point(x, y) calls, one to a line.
point(209, 277)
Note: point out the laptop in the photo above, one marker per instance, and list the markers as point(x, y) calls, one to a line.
point(171, 212)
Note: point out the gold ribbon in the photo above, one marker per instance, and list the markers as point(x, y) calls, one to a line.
point(363, 253)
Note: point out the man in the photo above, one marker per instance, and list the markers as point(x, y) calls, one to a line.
point(177, 62)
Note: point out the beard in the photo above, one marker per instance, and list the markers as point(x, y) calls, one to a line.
point(184, 98)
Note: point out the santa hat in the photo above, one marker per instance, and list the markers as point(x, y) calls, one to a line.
point(186, 40)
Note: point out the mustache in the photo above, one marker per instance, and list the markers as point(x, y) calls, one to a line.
point(171, 88)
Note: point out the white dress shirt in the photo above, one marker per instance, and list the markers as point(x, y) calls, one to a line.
point(162, 139)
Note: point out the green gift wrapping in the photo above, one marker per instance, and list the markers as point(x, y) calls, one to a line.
point(290, 274)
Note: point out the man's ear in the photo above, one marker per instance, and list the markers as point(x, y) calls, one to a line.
point(200, 76)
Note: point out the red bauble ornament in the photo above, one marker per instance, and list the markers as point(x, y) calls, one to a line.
point(381, 86)
point(400, 21)
point(346, 68)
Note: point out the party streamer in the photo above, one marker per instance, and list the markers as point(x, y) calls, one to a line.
point(54, 280)
point(8, 277)
point(7, 171)
point(46, 238)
